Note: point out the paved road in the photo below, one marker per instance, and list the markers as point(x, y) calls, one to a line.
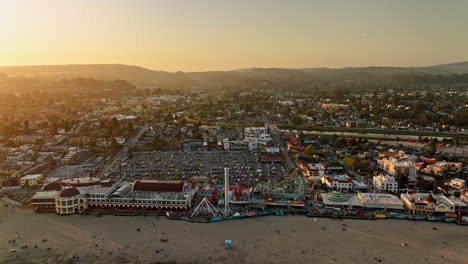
point(122, 154)
point(280, 143)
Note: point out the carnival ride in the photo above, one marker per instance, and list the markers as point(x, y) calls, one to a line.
point(291, 188)
point(205, 208)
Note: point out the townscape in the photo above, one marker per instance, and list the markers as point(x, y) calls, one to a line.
point(234, 132)
point(203, 157)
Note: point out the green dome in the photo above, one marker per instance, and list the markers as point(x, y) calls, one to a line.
point(337, 197)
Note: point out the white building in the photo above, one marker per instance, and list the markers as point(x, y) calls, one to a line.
point(338, 181)
point(254, 137)
point(359, 186)
point(385, 183)
point(32, 179)
point(258, 134)
point(396, 167)
point(457, 183)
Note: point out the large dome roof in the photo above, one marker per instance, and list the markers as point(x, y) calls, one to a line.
point(69, 192)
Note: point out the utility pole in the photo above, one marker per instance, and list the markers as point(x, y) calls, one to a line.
point(226, 190)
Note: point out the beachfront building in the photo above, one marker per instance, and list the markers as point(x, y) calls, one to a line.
point(337, 181)
point(70, 201)
point(144, 195)
point(44, 202)
point(380, 201)
point(385, 183)
point(396, 167)
point(114, 197)
point(341, 200)
point(423, 203)
point(32, 180)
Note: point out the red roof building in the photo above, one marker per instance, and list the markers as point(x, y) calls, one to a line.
point(158, 186)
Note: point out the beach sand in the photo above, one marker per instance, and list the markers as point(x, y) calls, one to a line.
point(271, 239)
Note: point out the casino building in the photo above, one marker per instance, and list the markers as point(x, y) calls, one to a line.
point(80, 195)
point(141, 195)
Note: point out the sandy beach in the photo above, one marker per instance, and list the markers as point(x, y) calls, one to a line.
point(282, 239)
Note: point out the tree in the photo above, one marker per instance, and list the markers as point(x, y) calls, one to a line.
point(431, 148)
point(351, 162)
point(460, 117)
point(152, 175)
point(297, 120)
point(26, 126)
point(114, 144)
point(324, 139)
point(131, 127)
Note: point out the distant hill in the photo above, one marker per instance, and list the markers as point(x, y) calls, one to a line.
point(458, 68)
point(249, 77)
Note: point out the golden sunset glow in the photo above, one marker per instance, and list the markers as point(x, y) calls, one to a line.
point(222, 35)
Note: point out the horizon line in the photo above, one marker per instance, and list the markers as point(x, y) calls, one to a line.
point(236, 69)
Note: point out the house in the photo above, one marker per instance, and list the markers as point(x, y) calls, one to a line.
point(385, 183)
point(458, 183)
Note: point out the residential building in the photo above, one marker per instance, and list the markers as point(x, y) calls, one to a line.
point(458, 183)
point(396, 167)
point(385, 183)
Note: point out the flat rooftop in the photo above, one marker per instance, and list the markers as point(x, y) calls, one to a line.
point(156, 195)
point(380, 199)
point(45, 195)
point(98, 190)
point(32, 176)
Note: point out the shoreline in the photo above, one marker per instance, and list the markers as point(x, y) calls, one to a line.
point(115, 239)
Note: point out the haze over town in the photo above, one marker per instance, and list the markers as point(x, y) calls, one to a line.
point(233, 131)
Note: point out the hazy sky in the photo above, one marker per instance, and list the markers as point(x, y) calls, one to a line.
point(199, 35)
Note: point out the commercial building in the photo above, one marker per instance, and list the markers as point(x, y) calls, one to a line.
point(385, 183)
point(396, 167)
point(423, 203)
point(126, 197)
point(70, 201)
point(380, 201)
point(32, 180)
point(44, 202)
point(337, 181)
point(144, 195)
point(337, 199)
point(312, 172)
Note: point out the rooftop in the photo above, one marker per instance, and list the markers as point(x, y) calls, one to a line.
point(380, 199)
point(159, 186)
point(340, 199)
point(32, 176)
point(156, 195)
point(45, 195)
point(98, 190)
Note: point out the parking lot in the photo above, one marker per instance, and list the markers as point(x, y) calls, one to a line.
point(198, 165)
